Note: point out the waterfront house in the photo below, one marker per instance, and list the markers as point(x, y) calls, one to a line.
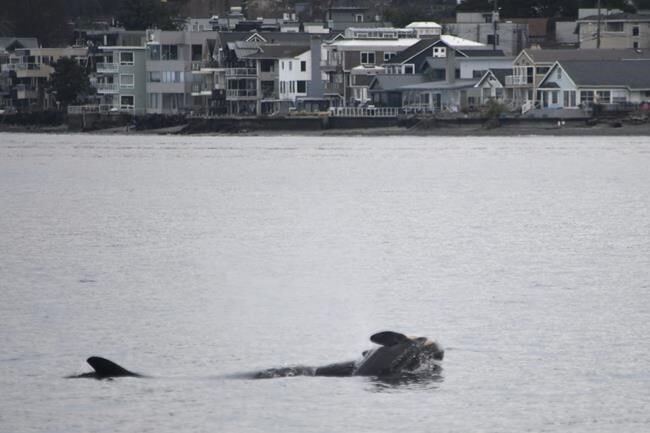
point(173, 65)
point(611, 84)
point(492, 86)
point(531, 65)
point(31, 68)
point(281, 76)
point(120, 78)
point(343, 58)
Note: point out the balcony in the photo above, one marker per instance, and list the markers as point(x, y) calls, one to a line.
point(241, 93)
point(28, 70)
point(516, 80)
point(201, 89)
point(334, 88)
point(241, 72)
point(107, 68)
point(331, 66)
point(106, 88)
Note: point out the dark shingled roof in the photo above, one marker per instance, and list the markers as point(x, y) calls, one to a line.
point(560, 55)
point(278, 51)
point(480, 52)
point(394, 81)
point(412, 51)
point(628, 73)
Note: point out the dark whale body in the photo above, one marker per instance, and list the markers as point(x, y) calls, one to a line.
point(397, 354)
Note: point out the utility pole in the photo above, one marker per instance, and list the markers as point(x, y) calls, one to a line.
point(495, 15)
point(598, 27)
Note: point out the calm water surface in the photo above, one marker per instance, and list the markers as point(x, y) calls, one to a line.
point(198, 259)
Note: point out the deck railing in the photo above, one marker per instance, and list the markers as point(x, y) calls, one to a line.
point(364, 112)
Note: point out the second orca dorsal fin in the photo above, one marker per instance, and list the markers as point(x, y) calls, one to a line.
point(105, 368)
point(388, 338)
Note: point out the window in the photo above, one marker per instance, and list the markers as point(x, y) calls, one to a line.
point(127, 81)
point(614, 27)
point(388, 55)
point(154, 100)
point(301, 86)
point(569, 98)
point(493, 39)
point(126, 58)
point(303, 66)
point(197, 53)
point(154, 52)
point(358, 18)
point(282, 65)
point(635, 45)
point(169, 52)
point(128, 100)
point(440, 52)
point(367, 58)
point(487, 18)
point(409, 69)
point(604, 96)
point(635, 31)
point(586, 97)
point(154, 77)
point(290, 65)
point(554, 96)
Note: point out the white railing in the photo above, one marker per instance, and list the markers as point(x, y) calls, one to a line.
point(107, 67)
point(528, 105)
point(516, 80)
point(364, 112)
point(106, 87)
point(241, 93)
point(239, 72)
point(81, 109)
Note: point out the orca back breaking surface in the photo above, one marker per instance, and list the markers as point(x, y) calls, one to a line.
point(105, 369)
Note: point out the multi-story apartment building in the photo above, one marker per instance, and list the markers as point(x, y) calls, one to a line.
point(173, 65)
point(32, 68)
point(347, 64)
point(120, 78)
point(618, 31)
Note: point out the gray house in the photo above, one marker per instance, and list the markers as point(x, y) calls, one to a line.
point(575, 84)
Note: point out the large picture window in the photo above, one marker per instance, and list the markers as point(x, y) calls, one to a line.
point(367, 58)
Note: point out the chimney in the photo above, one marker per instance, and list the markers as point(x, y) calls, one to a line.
point(450, 73)
point(315, 88)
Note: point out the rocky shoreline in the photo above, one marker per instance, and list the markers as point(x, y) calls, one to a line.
point(441, 128)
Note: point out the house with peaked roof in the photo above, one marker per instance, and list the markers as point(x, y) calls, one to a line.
point(282, 73)
point(532, 65)
point(493, 86)
point(581, 84)
point(346, 64)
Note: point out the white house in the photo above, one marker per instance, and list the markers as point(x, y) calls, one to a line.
point(294, 75)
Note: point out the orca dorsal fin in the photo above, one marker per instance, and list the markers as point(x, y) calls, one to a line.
point(388, 338)
point(105, 368)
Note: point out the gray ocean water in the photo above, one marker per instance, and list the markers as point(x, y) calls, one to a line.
point(197, 260)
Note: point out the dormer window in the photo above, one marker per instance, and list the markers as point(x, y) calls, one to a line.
point(439, 52)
